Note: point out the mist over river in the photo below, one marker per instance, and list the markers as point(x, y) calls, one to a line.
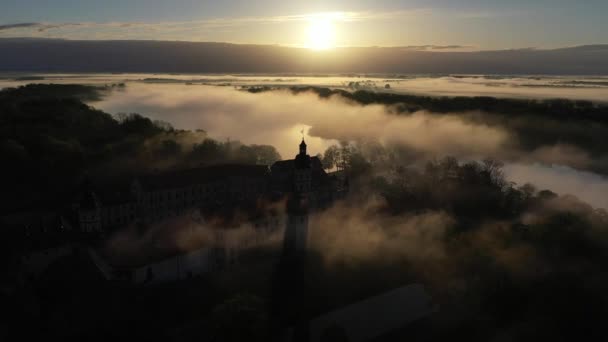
point(219, 105)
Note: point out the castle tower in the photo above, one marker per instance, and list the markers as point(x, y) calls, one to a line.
point(296, 231)
point(302, 171)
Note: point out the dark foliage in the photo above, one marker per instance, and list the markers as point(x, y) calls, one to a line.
point(555, 108)
point(50, 141)
point(519, 264)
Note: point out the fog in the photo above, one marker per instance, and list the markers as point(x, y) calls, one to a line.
point(185, 233)
point(592, 88)
point(481, 246)
point(276, 118)
point(207, 57)
point(587, 186)
point(356, 232)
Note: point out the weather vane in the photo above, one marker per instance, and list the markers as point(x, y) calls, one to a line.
point(302, 131)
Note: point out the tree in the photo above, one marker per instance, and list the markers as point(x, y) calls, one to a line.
point(546, 195)
point(163, 125)
point(528, 190)
point(330, 157)
point(265, 154)
point(345, 153)
point(135, 123)
point(208, 150)
point(169, 148)
point(494, 169)
point(358, 165)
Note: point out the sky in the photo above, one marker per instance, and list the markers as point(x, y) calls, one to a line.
point(468, 24)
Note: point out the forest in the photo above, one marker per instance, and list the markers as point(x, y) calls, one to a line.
point(51, 141)
point(500, 259)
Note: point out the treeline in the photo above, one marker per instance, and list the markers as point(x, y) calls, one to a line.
point(517, 252)
point(50, 140)
point(553, 108)
point(516, 261)
point(471, 190)
point(53, 92)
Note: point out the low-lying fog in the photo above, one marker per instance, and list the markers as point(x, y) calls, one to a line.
point(276, 118)
point(570, 87)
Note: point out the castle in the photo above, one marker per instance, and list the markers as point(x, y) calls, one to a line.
point(154, 197)
point(217, 191)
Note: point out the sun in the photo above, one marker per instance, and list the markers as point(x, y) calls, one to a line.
point(321, 33)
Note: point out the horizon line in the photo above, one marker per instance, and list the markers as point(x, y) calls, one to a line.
point(419, 48)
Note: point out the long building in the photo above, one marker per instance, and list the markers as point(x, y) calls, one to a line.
point(163, 195)
point(169, 194)
point(216, 191)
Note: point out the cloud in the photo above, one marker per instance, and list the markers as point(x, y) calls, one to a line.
point(344, 16)
point(31, 29)
point(200, 30)
point(47, 27)
point(174, 30)
point(16, 26)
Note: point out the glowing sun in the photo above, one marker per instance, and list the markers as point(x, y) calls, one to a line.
point(321, 33)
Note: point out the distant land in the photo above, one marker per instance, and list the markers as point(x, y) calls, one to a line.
point(54, 55)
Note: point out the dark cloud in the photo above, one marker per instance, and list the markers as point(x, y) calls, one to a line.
point(44, 28)
point(199, 57)
point(19, 25)
point(438, 47)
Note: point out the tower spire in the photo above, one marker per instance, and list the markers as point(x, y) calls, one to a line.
point(303, 147)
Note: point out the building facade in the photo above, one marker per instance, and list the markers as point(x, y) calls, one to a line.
point(164, 195)
point(170, 194)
